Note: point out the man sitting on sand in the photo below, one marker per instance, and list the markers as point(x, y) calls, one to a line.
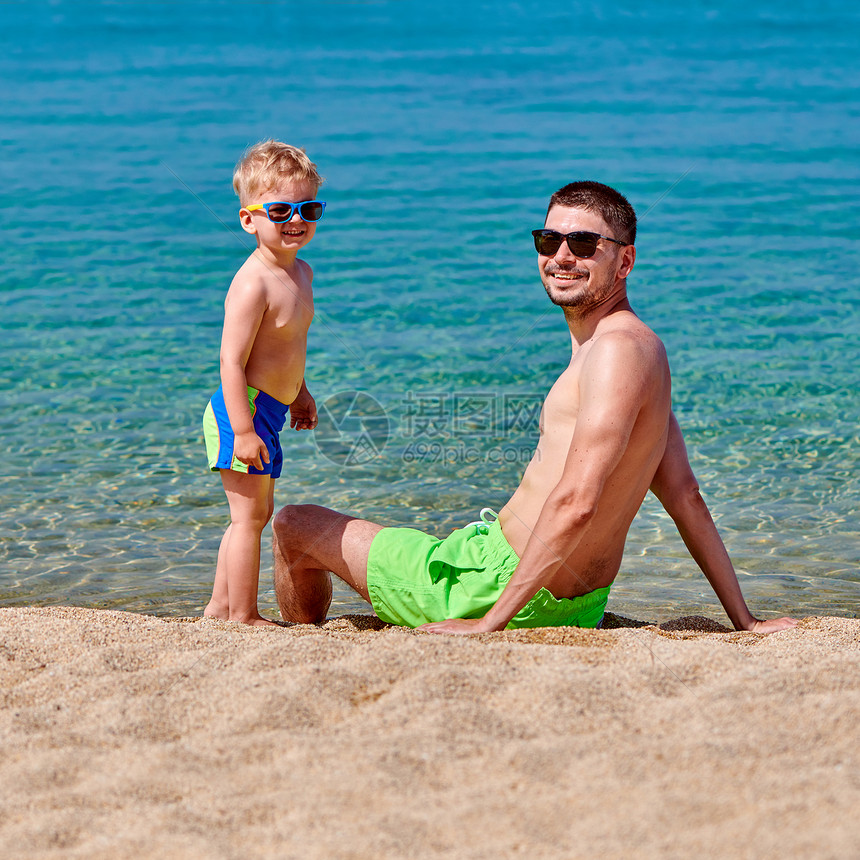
point(607, 435)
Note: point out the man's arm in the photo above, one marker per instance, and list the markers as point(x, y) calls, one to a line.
point(676, 487)
point(615, 381)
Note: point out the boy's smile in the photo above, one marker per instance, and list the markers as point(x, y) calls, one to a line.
point(286, 237)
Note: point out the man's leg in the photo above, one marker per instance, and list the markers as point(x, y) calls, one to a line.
point(309, 544)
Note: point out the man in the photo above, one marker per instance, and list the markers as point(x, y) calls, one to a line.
point(607, 435)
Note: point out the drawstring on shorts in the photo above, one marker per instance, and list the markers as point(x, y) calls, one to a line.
point(483, 524)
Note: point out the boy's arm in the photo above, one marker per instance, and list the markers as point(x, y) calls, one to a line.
point(676, 487)
point(243, 313)
point(303, 410)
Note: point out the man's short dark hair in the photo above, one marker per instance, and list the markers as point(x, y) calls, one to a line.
point(610, 204)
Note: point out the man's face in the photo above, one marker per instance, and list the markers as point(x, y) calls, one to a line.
point(576, 283)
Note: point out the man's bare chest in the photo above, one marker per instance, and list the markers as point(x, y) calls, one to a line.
point(561, 406)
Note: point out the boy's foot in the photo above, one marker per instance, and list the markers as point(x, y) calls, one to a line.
point(222, 613)
point(255, 620)
point(263, 622)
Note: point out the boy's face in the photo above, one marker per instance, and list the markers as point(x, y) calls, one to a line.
point(291, 235)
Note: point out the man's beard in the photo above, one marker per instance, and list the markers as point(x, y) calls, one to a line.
point(586, 295)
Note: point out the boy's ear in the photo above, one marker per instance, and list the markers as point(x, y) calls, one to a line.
point(247, 221)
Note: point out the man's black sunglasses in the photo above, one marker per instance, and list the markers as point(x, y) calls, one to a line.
point(581, 243)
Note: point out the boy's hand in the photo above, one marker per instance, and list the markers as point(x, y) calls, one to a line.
point(250, 449)
point(303, 411)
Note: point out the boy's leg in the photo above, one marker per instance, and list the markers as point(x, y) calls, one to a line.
point(251, 500)
point(309, 542)
point(219, 603)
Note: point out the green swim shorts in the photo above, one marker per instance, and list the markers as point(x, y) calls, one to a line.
point(413, 578)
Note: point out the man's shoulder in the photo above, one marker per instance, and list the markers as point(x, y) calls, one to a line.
point(628, 357)
point(627, 338)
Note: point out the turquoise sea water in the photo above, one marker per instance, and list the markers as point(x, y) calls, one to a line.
point(441, 129)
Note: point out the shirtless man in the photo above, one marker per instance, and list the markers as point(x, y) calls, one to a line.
point(607, 435)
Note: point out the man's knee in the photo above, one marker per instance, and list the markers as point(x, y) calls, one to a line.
point(296, 528)
point(285, 531)
point(283, 521)
point(292, 520)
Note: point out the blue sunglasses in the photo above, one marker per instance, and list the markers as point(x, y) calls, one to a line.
point(280, 211)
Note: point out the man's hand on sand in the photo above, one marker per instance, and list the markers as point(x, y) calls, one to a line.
point(772, 625)
point(457, 626)
point(467, 626)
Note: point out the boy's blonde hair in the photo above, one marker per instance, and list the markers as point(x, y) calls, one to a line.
point(265, 163)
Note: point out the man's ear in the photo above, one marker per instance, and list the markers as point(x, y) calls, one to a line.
point(628, 258)
point(247, 221)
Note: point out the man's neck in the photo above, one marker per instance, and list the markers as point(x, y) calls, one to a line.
point(583, 326)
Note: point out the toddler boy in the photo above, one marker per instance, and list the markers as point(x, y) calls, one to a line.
point(267, 313)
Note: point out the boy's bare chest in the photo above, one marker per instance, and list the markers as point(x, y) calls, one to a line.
point(289, 311)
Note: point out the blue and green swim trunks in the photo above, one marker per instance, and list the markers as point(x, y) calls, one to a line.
point(268, 415)
point(414, 578)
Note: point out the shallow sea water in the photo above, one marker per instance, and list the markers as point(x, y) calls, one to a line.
point(441, 132)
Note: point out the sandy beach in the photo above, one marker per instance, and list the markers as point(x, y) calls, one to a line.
point(128, 735)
